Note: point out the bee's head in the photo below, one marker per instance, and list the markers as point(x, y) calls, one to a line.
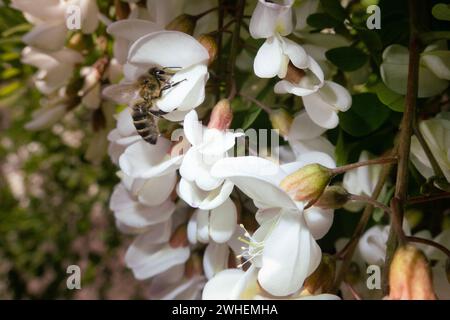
point(156, 71)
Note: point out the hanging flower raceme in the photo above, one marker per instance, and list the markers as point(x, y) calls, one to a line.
point(301, 74)
point(50, 20)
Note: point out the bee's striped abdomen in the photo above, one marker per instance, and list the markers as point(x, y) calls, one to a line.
point(144, 123)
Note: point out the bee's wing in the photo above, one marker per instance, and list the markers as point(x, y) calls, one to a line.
point(123, 93)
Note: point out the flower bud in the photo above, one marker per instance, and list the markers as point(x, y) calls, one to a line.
point(281, 120)
point(294, 74)
point(193, 266)
point(334, 197)
point(210, 44)
point(413, 216)
point(183, 23)
point(221, 115)
point(307, 183)
point(322, 279)
point(77, 43)
point(410, 275)
point(179, 237)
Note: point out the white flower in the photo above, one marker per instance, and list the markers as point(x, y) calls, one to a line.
point(55, 68)
point(322, 102)
point(306, 136)
point(49, 18)
point(173, 284)
point(436, 133)
point(217, 224)
point(46, 116)
point(284, 247)
point(197, 186)
point(143, 160)
point(167, 49)
point(122, 136)
point(434, 69)
point(361, 181)
point(235, 284)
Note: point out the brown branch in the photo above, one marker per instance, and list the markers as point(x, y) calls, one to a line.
point(343, 169)
point(423, 199)
point(234, 49)
point(430, 243)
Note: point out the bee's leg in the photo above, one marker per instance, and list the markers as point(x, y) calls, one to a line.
point(157, 113)
point(170, 71)
point(172, 84)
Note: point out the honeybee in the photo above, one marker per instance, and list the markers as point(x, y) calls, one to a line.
point(142, 96)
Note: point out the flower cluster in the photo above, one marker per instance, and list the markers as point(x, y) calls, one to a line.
point(214, 224)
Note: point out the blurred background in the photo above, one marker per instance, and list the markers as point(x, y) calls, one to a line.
point(53, 201)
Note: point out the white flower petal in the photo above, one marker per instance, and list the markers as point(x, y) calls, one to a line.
point(147, 260)
point(270, 18)
point(189, 93)
point(143, 160)
point(290, 255)
point(319, 221)
point(168, 49)
point(158, 189)
point(269, 59)
point(215, 259)
point(222, 222)
point(47, 36)
point(303, 128)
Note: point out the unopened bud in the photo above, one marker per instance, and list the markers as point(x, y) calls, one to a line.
point(334, 197)
point(413, 216)
point(179, 237)
point(281, 120)
point(307, 183)
point(194, 266)
point(221, 115)
point(183, 23)
point(410, 275)
point(294, 74)
point(322, 279)
point(76, 42)
point(210, 44)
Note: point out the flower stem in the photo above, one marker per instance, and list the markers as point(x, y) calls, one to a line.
point(347, 252)
point(234, 49)
point(355, 165)
point(201, 15)
point(370, 200)
point(423, 199)
point(257, 102)
point(401, 186)
point(430, 243)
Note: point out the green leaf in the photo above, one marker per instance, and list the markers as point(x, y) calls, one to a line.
point(393, 100)
point(441, 11)
point(366, 115)
point(10, 88)
point(334, 9)
point(347, 58)
point(251, 116)
point(322, 20)
point(371, 39)
point(378, 214)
